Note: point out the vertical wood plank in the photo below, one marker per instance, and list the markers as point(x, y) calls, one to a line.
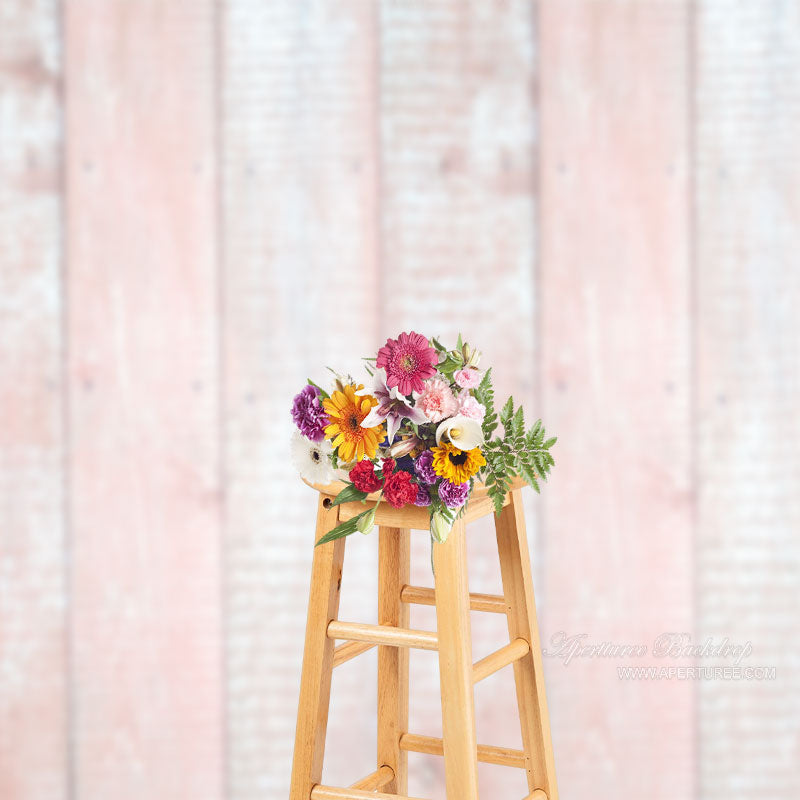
point(458, 85)
point(298, 90)
point(747, 200)
point(615, 287)
point(455, 665)
point(33, 680)
point(512, 548)
point(142, 289)
point(458, 135)
point(393, 573)
point(315, 682)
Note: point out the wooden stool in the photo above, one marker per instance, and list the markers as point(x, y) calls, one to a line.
point(393, 637)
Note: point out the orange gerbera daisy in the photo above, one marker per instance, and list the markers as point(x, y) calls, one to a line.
point(346, 410)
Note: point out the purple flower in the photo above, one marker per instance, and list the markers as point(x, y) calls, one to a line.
point(308, 414)
point(423, 498)
point(423, 466)
point(454, 495)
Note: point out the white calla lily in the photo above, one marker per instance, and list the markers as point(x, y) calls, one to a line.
point(462, 432)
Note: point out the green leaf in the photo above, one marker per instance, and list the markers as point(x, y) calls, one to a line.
point(550, 442)
point(518, 424)
point(343, 529)
point(508, 410)
point(348, 494)
point(322, 392)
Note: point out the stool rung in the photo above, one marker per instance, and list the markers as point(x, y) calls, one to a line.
point(477, 602)
point(320, 792)
point(487, 753)
point(383, 634)
point(537, 794)
point(344, 652)
point(494, 661)
point(375, 781)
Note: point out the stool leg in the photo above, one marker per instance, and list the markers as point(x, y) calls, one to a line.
point(455, 666)
point(393, 574)
point(515, 566)
point(315, 681)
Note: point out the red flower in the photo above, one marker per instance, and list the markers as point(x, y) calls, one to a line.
point(387, 467)
point(364, 478)
point(399, 490)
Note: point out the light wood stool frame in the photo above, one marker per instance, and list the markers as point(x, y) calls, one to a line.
point(393, 637)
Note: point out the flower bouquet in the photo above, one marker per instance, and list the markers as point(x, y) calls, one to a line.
point(422, 434)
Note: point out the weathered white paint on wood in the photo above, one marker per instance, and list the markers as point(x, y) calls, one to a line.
point(747, 96)
point(299, 286)
point(615, 344)
point(144, 462)
point(380, 168)
point(33, 675)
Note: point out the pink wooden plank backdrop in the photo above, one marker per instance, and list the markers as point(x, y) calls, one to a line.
point(33, 675)
point(458, 139)
point(387, 157)
point(300, 277)
point(616, 383)
point(747, 96)
point(142, 370)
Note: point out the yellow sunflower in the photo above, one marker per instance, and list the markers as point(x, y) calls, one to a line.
point(346, 411)
point(457, 466)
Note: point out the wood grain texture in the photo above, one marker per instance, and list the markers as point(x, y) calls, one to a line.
point(487, 753)
point(615, 362)
point(747, 201)
point(315, 682)
point(420, 595)
point(298, 105)
point(455, 665)
point(523, 626)
point(142, 371)
point(506, 655)
point(382, 634)
point(33, 670)
point(393, 574)
point(375, 781)
point(349, 650)
point(335, 793)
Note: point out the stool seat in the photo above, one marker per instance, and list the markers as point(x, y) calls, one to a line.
point(479, 488)
point(394, 638)
point(414, 517)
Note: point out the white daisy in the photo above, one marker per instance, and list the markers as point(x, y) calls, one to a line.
point(312, 459)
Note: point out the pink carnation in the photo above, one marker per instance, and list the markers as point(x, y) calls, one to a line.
point(469, 407)
point(467, 378)
point(437, 400)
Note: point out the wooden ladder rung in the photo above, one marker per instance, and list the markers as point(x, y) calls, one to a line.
point(344, 652)
point(375, 781)
point(487, 753)
point(477, 602)
point(383, 634)
point(537, 794)
point(320, 792)
point(497, 660)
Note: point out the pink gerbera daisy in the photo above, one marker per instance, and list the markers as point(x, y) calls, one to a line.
point(409, 360)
